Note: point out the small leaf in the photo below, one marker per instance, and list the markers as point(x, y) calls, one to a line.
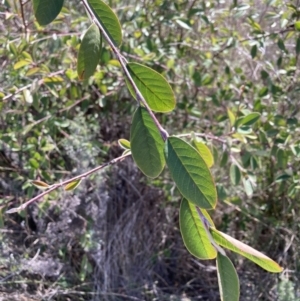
point(298, 46)
point(72, 185)
point(190, 173)
point(231, 117)
point(228, 279)
point(40, 184)
point(248, 120)
point(22, 63)
point(281, 45)
point(254, 51)
point(235, 174)
point(297, 25)
point(204, 151)
point(193, 232)
point(153, 86)
point(125, 144)
point(248, 186)
point(46, 11)
point(147, 144)
point(89, 53)
point(108, 20)
point(237, 246)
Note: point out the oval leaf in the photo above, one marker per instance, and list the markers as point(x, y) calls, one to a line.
point(237, 246)
point(46, 11)
point(40, 184)
point(235, 174)
point(89, 52)
point(248, 120)
point(153, 86)
point(108, 20)
point(72, 185)
point(228, 279)
point(204, 151)
point(146, 144)
point(190, 173)
point(125, 144)
point(193, 232)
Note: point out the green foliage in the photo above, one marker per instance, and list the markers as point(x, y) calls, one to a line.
point(194, 233)
point(228, 279)
point(156, 90)
point(146, 144)
point(190, 173)
point(89, 52)
point(46, 11)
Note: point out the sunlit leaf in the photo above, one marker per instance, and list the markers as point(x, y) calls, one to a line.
point(72, 185)
point(204, 151)
point(89, 53)
point(248, 120)
point(46, 11)
point(108, 20)
point(146, 144)
point(231, 117)
point(193, 232)
point(228, 280)
point(190, 173)
point(153, 86)
point(237, 246)
point(125, 144)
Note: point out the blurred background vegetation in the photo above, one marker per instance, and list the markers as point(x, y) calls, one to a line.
point(116, 236)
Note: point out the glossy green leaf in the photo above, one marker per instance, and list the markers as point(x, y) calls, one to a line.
point(204, 151)
point(125, 144)
point(89, 53)
point(147, 144)
point(40, 184)
point(108, 20)
point(228, 279)
point(46, 11)
point(235, 174)
point(72, 185)
point(193, 232)
point(237, 246)
point(247, 120)
point(153, 86)
point(190, 173)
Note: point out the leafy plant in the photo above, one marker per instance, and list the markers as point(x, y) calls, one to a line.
point(152, 148)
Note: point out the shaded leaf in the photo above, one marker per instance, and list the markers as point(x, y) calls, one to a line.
point(89, 52)
point(72, 185)
point(235, 174)
point(228, 280)
point(46, 11)
point(108, 20)
point(193, 232)
point(146, 144)
point(190, 173)
point(125, 144)
point(153, 86)
point(298, 46)
point(237, 246)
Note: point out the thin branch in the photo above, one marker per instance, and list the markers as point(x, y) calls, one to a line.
point(123, 63)
point(23, 16)
point(57, 185)
point(204, 135)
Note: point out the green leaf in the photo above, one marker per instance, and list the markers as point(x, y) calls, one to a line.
point(248, 120)
point(297, 25)
point(125, 144)
point(146, 144)
point(40, 184)
point(108, 20)
point(237, 246)
point(89, 52)
point(298, 46)
point(46, 11)
point(248, 186)
point(228, 279)
point(72, 185)
point(231, 117)
point(281, 45)
point(153, 86)
point(204, 151)
point(235, 174)
point(193, 232)
point(190, 173)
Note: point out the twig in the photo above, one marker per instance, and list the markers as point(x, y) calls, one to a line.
point(123, 63)
point(207, 136)
point(55, 186)
point(23, 16)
